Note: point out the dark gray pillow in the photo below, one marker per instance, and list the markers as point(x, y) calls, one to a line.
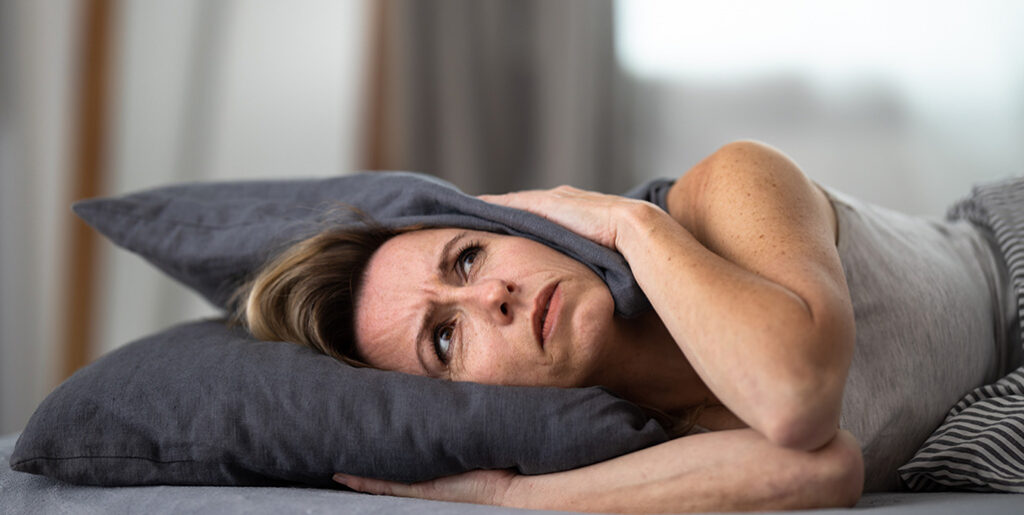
point(202, 403)
point(212, 236)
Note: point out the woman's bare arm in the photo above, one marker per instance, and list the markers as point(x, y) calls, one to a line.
point(734, 470)
point(721, 471)
point(745, 275)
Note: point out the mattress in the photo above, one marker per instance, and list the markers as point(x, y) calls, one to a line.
point(28, 493)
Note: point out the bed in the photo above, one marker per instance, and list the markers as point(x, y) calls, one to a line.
point(159, 424)
point(29, 493)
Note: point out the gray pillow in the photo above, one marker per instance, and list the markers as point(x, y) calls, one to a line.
point(203, 403)
point(211, 236)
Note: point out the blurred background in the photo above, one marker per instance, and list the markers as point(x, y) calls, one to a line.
point(902, 103)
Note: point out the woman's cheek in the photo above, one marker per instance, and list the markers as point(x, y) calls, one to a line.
point(484, 365)
point(593, 317)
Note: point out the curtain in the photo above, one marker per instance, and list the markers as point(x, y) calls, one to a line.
point(38, 43)
point(498, 95)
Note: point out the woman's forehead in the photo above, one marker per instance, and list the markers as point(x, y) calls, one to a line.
point(390, 302)
point(404, 268)
point(397, 285)
point(402, 264)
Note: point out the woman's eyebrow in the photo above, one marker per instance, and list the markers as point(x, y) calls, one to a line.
point(443, 259)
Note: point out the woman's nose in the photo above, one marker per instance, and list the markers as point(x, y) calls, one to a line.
point(495, 296)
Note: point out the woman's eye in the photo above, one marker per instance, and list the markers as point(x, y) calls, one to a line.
point(443, 341)
point(467, 258)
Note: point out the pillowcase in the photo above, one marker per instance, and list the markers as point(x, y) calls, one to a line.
point(212, 236)
point(206, 404)
point(980, 445)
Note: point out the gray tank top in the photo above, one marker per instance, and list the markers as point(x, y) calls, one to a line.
point(935, 318)
point(935, 314)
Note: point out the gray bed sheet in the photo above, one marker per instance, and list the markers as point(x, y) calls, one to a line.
point(28, 493)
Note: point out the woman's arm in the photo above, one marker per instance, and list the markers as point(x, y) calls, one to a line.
point(720, 471)
point(745, 274)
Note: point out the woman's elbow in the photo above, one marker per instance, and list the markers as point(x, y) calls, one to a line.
point(802, 433)
point(842, 471)
point(806, 424)
point(831, 477)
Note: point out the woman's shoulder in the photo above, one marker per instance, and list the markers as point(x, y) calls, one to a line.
point(745, 173)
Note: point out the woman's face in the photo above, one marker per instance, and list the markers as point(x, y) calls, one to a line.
point(482, 307)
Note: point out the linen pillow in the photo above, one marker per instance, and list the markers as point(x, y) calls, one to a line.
point(212, 236)
point(204, 403)
point(200, 404)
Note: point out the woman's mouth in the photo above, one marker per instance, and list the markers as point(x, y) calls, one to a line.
point(546, 310)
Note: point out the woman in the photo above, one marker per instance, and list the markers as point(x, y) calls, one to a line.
point(751, 338)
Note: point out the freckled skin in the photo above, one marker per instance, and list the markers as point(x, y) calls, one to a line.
point(494, 340)
point(727, 297)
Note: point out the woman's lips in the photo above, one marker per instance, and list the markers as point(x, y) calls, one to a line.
point(554, 308)
point(541, 309)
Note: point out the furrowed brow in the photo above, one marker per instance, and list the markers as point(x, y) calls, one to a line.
point(424, 335)
point(426, 332)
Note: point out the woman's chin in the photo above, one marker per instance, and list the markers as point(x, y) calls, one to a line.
point(589, 333)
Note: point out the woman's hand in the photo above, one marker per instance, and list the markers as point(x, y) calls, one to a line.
point(476, 486)
point(595, 216)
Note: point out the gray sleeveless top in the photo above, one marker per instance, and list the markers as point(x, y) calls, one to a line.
point(935, 318)
point(935, 315)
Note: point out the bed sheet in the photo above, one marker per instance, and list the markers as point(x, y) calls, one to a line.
point(28, 493)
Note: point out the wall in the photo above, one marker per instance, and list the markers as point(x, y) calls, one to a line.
point(200, 91)
point(905, 104)
point(37, 43)
point(219, 91)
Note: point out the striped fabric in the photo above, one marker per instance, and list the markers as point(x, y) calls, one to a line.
point(980, 445)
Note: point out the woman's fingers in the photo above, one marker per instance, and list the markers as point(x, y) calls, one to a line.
point(375, 486)
point(592, 215)
point(520, 199)
point(478, 486)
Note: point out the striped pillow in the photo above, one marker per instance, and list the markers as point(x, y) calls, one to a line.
point(980, 445)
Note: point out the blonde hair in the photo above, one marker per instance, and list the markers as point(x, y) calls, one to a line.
point(307, 294)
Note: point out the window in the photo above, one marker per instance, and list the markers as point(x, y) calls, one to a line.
point(904, 103)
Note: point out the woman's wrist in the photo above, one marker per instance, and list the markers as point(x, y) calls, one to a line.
point(636, 221)
point(529, 492)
